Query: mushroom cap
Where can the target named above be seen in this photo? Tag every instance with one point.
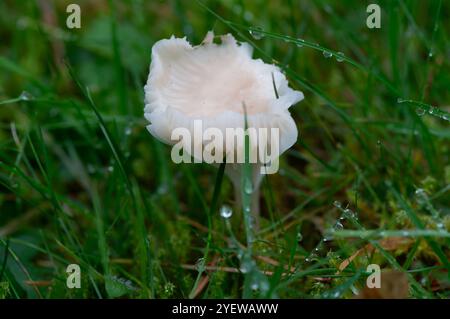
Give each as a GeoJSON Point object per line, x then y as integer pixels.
{"type": "Point", "coordinates": [211, 82]}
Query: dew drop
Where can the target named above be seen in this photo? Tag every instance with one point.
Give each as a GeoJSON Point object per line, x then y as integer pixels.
{"type": "Point", "coordinates": [327, 54]}
{"type": "Point", "coordinates": [421, 196]}
{"type": "Point", "coordinates": [311, 257]}
{"type": "Point", "coordinates": [247, 263]}
{"type": "Point", "coordinates": [433, 110]}
{"type": "Point", "coordinates": [256, 33]}
{"type": "Point", "coordinates": [110, 168]}
{"type": "Point", "coordinates": [226, 211]}
{"type": "Point", "coordinates": [248, 187]}
{"type": "Point", "coordinates": [300, 43]}
{"type": "Point", "coordinates": [340, 57]}
{"type": "Point", "coordinates": [424, 281]}
{"type": "Point", "coordinates": [244, 268]}
{"type": "Point", "coordinates": [327, 239]}
{"type": "Point", "coordinates": [338, 226]}
{"type": "Point", "coordinates": [299, 237]}
{"type": "Point", "coordinates": [420, 111]}
{"type": "Point", "coordinates": [348, 213]}
{"type": "Point", "coordinates": [337, 204]}
{"type": "Point", "coordinates": [25, 96]}
{"type": "Point", "coordinates": [240, 254]}
{"type": "Point", "coordinates": [128, 131]}
{"type": "Point", "coordinates": [400, 100]}
{"type": "Point", "coordinates": [420, 192]}
{"type": "Point", "coordinates": [200, 265]}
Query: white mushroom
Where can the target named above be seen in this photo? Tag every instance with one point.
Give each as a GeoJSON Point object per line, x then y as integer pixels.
{"type": "Point", "coordinates": [211, 83]}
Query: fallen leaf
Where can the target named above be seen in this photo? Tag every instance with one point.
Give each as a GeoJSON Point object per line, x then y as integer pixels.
{"type": "Point", "coordinates": [394, 285]}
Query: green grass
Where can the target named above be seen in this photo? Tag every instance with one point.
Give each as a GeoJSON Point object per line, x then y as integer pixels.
{"type": "Point", "coordinates": [82, 181]}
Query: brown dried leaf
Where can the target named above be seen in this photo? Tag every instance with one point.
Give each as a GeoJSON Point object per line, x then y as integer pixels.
{"type": "Point", "coordinates": [394, 285]}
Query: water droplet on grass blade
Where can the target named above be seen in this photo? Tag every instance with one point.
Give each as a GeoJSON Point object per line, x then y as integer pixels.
{"type": "Point", "coordinates": [421, 196]}
{"type": "Point", "coordinates": [348, 213]}
{"type": "Point", "coordinates": [244, 268]}
{"type": "Point", "coordinates": [311, 257]}
{"type": "Point", "coordinates": [433, 110]}
{"type": "Point", "coordinates": [327, 239]}
{"type": "Point", "coordinates": [420, 111]}
{"type": "Point", "coordinates": [240, 254]}
{"type": "Point", "coordinates": [299, 237]}
{"type": "Point", "coordinates": [200, 265]}
{"type": "Point", "coordinates": [256, 33]}
{"type": "Point", "coordinates": [248, 187]}
{"type": "Point", "coordinates": [340, 57]}
{"type": "Point", "coordinates": [420, 192]}
{"type": "Point", "coordinates": [338, 226]}
{"type": "Point", "coordinates": [337, 204]}
{"type": "Point", "coordinates": [26, 96]}
{"type": "Point", "coordinates": [327, 54]}
{"type": "Point", "coordinates": [247, 263]}
{"type": "Point", "coordinates": [226, 211]}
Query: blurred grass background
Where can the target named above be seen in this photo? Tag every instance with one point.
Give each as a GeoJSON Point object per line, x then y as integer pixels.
{"type": "Point", "coordinates": [83, 182]}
